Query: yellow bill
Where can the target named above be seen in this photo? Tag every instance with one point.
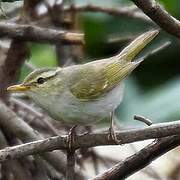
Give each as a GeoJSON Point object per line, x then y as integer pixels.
{"type": "Point", "coordinates": [18, 88]}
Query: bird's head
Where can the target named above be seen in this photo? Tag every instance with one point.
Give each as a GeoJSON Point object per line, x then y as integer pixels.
{"type": "Point", "coordinates": [40, 80]}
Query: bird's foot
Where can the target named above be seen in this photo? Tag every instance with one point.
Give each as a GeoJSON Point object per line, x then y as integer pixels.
{"type": "Point", "coordinates": [71, 138]}
{"type": "Point", "coordinates": [112, 136]}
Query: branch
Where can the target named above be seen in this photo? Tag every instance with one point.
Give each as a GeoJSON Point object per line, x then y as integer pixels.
{"type": "Point", "coordinates": [161, 17]}
{"type": "Point", "coordinates": [140, 159]}
{"type": "Point", "coordinates": [90, 140]}
{"type": "Point", "coordinates": [39, 34]}
{"type": "Point", "coordinates": [143, 119]}
{"type": "Point", "coordinates": [122, 11]}
{"type": "Point", "coordinates": [16, 55]}
{"type": "Point", "coordinates": [15, 125]}
{"type": "Point", "coordinates": [19, 171]}
{"type": "Point", "coordinates": [70, 165]}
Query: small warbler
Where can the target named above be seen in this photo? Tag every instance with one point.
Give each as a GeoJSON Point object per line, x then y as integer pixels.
{"type": "Point", "coordinates": [84, 94]}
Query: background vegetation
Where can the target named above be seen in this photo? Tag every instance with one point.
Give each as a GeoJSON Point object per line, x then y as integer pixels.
{"type": "Point", "coordinates": [152, 90]}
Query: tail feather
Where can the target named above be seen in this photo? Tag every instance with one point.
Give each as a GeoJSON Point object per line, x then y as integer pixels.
{"type": "Point", "coordinates": [134, 48]}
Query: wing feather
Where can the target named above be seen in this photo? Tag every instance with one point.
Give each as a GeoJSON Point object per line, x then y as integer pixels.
{"type": "Point", "coordinates": [99, 79]}
{"type": "Point", "coordinates": [95, 79]}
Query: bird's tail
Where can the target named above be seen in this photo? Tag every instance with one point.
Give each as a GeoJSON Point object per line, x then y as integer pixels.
{"type": "Point", "coordinates": [134, 48]}
{"type": "Point", "coordinates": [122, 64]}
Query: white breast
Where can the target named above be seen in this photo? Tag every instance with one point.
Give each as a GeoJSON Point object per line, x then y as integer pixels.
{"type": "Point", "coordinates": [73, 111]}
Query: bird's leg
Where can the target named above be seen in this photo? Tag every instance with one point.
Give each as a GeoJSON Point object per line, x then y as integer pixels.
{"type": "Point", "coordinates": [111, 134]}
{"type": "Point", "coordinates": [71, 137]}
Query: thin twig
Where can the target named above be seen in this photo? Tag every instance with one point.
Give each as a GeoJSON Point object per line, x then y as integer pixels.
{"type": "Point", "coordinates": [140, 159]}
{"type": "Point", "coordinates": [36, 113]}
{"type": "Point", "coordinates": [19, 171]}
{"type": "Point", "coordinates": [120, 12]}
{"type": "Point", "coordinates": [70, 168]}
{"type": "Point", "coordinates": [16, 55]}
{"type": "Point", "coordinates": [53, 129]}
{"type": "Point", "coordinates": [15, 125]}
{"type": "Point", "coordinates": [122, 39]}
{"type": "Point", "coordinates": [150, 171]}
{"type": "Point", "coordinates": [160, 47]}
{"type": "Point", "coordinates": [143, 119]}
{"type": "Point", "coordinates": [26, 106]}
{"type": "Point", "coordinates": [160, 16]}
{"type": "Point", "coordinates": [39, 34]}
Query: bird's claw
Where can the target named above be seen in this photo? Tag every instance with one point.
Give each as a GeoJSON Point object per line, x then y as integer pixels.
{"type": "Point", "coordinates": [112, 136]}
{"type": "Point", "coordinates": [71, 138]}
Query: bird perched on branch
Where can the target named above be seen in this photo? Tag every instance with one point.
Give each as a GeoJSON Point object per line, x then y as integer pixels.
{"type": "Point", "coordinates": [84, 94]}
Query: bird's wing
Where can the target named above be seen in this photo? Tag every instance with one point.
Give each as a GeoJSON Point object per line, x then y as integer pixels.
{"type": "Point", "coordinates": [95, 80]}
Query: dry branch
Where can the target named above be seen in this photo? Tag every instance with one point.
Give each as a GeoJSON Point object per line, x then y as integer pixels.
{"type": "Point", "coordinates": [140, 159]}
{"type": "Point", "coordinates": [16, 55]}
{"type": "Point", "coordinates": [10, 122]}
{"type": "Point", "coordinates": [143, 119]}
{"type": "Point", "coordinates": [19, 171]}
{"type": "Point", "coordinates": [39, 34]}
{"type": "Point", "coordinates": [160, 16]}
{"type": "Point", "coordinates": [15, 125]}
{"type": "Point", "coordinates": [70, 165]}
{"type": "Point", "coordinates": [120, 12]}
{"type": "Point", "coordinates": [90, 140]}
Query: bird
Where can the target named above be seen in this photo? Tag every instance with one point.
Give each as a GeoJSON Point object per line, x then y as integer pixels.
{"type": "Point", "coordinates": [84, 94]}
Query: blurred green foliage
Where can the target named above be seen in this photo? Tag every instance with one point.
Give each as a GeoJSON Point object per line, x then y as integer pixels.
{"type": "Point", "coordinates": [172, 6]}
{"type": "Point", "coordinates": [42, 55]}
{"type": "Point", "coordinates": [153, 89]}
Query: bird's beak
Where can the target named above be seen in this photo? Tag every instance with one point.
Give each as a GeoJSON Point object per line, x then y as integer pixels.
{"type": "Point", "coordinates": [18, 88]}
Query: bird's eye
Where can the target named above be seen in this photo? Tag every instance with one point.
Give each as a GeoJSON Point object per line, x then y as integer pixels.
{"type": "Point", "coordinates": [40, 80]}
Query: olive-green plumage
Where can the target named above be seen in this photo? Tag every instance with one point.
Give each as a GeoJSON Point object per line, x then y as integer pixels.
{"type": "Point", "coordinates": [94, 80]}
{"type": "Point", "coordinates": [83, 94]}
{"type": "Point", "coordinates": [99, 77]}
